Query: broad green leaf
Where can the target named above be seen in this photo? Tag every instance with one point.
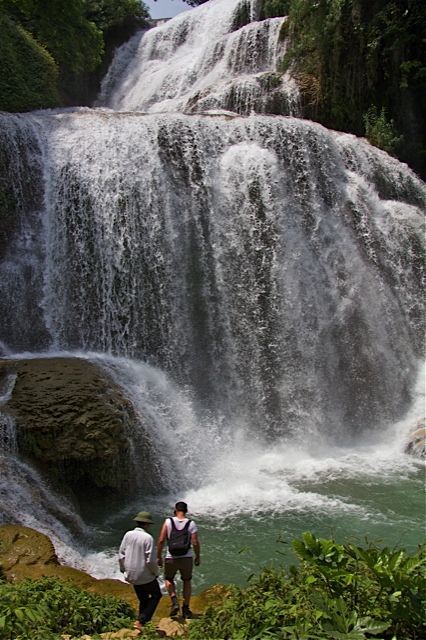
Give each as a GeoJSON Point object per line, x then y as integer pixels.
{"type": "Point", "coordinates": [412, 563]}
{"type": "Point", "coordinates": [327, 546]}
{"type": "Point", "coordinates": [396, 559]}
{"type": "Point", "coordinates": [301, 550]}
{"type": "Point", "coordinates": [19, 614]}
{"type": "Point", "coordinates": [368, 625]}
{"type": "Point", "coordinates": [312, 543]}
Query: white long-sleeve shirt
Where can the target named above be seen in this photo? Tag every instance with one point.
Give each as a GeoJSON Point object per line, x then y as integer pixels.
{"type": "Point", "coordinates": [137, 557]}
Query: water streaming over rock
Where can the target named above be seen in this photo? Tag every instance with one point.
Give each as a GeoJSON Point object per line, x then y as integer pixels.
{"type": "Point", "coordinates": [267, 269]}
{"type": "Point", "coordinates": [218, 57]}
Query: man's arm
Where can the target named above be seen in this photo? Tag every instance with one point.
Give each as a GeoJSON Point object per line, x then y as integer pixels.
{"type": "Point", "coordinates": [121, 554]}
{"type": "Point", "coordinates": [160, 544]}
{"type": "Point", "coordinates": [150, 557]}
{"type": "Point", "coordinates": [196, 547]}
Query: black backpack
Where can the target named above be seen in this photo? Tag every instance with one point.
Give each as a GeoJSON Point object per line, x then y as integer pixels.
{"type": "Point", "coordinates": [179, 542]}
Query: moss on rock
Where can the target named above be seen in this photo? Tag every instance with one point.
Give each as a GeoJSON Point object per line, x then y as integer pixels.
{"type": "Point", "coordinates": [27, 553]}
{"type": "Point", "coordinates": [74, 420]}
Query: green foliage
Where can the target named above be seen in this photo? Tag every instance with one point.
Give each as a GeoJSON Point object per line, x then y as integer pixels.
{"type": "Point", "coordinates": [346, 592]}
{"type": "Point", "coordinates": [380, 131]}
{"type": "Point", "coordinates": [62, 29]}
{"type": "Point", "coordinates": [275, 8]}
{"type": "Point", "coordinates": [349, 54]}
{"type": "Point", "coordinates": [28, 73]}
{"type": "Point", "coordinates": [114, 13]}
{"type": "Point", "coordinates": [46, 608]}
{"type": "Point", "coordinates": [52, 35]}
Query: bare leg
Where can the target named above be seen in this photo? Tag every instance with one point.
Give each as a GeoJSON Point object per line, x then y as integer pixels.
{"type": "Point", "coordinates": [171, 588]}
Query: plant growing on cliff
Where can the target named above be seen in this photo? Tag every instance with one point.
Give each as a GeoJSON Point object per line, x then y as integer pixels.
{"type": "Point", "coordinates": [349, 54]}
{"type": "Point", "coordinates": [380, 131]}
{"type": "Point", "coordinates": [44, 609]}
{"type": "Point", "coordinates": [48, 44]}
{"type": "Point", "coordinates": [338, 591]}
{"type": "Point", "coordinates": [28, 74]}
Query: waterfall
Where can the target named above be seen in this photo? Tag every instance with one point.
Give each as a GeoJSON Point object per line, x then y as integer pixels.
{"type": "Point", "coordinates": [219, 57]}
{"type": "Point", "coordinates": [252, 276]}
{"type": "Point", "coordinates": [8, 445]}
{"type": "Point", "coordinates": [268, 263]}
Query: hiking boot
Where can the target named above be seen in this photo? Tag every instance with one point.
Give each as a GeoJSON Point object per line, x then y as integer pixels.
{"type": "Point", "coordinates": [174, 611]}
{"type": "Point", "coordinates": [186, 611]}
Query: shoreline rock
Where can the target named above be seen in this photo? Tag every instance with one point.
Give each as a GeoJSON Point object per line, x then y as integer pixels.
{"type": "Point", "coordinates": [416, 442]}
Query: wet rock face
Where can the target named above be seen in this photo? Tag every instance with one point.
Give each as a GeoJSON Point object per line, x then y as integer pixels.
{"type": "Point", "coordinates": [416, 443]}
{"type": "Point", "coordinates": [25, 546]}
{"type": "Point", "coordinates": [74, 420]}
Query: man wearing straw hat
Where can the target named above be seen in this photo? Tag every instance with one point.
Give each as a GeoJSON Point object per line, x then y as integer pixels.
{"type": "Point", "coordinates": [137, 560]}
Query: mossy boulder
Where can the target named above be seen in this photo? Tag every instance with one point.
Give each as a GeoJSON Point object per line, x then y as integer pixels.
{"type": "Point", "coordinates": [75, 421]}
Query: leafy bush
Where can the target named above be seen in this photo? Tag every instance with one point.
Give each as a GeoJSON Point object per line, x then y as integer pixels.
{"type": "Point", "coordinates": [44, 609]}
{"type": "Point", "coordinates": [113, 13]}
{"type": "Point", "coordinates": [348, 54]}
{"type": "Point", "coordinates": [28, 73]}
{"type": "Point", "coordinates": [338, 591]}
{"type": "Point", "coordinates": [74, 42]}
{"type": "Point", "coordinates": [380, 131]}
{"type": "Point", "coordinates": [275, 8]}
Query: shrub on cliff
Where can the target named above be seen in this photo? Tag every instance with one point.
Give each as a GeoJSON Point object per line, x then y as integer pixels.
{"type": "Point", "coordinates": [351, 54]}
{"type": "Point", "coordinates": [338, 591]}
{"type": "Point", "coordinates": [44, 609]}
{"type": "Point", "coordinates": [28, 73]}
{"type": "Point", "coordinates": [47, 46]}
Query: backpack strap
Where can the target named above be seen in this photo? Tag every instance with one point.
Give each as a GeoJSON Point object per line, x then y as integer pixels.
{"type": "Point", "coordinates": [186, 527]}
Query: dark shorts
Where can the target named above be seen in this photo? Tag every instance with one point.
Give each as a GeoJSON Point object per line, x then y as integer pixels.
{"type": "Point", "coordinates": [173, 565]}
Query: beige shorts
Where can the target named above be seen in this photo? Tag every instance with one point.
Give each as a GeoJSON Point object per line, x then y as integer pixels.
{"type": "Point", "coordinates": [173, 565]}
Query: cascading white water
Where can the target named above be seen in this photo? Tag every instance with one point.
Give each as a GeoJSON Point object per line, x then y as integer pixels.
{"type": "Point", "coordinates": [253, 281]}
{"type": "Point", "coordinates": [250, 258]}
{"type": "Point", "coordinates": [8, 445]}
{"type": "Point", "coordinates": [218, 57]}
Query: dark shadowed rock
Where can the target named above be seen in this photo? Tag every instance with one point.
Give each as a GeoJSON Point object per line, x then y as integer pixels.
{"type": "Point", "coordinates": [75, 421]}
